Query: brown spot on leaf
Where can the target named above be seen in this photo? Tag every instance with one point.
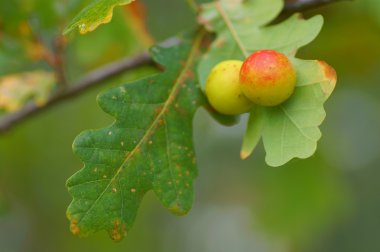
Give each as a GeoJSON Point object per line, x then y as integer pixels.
{"type": "Point", "coordinates": [161, 122]}
{"type": "Point", "coordinates": [177, 209]}
{"type": "Point", "coordinates": [244, 154]}
{"type": "Point", "coordinates": [118, 231]}
{"type": "Point", "coordinates": [189, 74]}
{"type": "Point", "coordinates": [182, 63]}
{"type": "Point", "coordinates": [220, 43]}
{"type": "Point", "coordinates": [330, 72]}
{"type": "Point", "coordinates": [331, 76]}
{"type": "Point", "coordinates": [158, 110]}
{"type": "Point", "coordinates": [74, 227]}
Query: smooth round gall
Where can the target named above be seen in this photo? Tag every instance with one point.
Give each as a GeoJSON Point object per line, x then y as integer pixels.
{"type": "Point", "coordinates": [223, 89]}
{"type": "Point", "coordinates": [267, 78]}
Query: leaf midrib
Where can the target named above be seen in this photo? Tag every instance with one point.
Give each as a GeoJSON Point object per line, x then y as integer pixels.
{"type": "Point", "coordinates": [231, 28]}
{"type": "Point", "coordinates": [168, 102]}
{"type": "Point", "coordinates": [295, 124]}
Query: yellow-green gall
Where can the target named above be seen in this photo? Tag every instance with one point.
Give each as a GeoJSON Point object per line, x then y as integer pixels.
{"type": "Point", "coordinates": [223, 89]}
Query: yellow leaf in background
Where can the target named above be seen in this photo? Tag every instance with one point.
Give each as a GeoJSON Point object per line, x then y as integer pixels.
{"type": "Point", "coordinates": [18, 89]}
{"type": "Point", "coordinates": [97, 13]}
{"type": "Point", "coordinates": [136, 16]}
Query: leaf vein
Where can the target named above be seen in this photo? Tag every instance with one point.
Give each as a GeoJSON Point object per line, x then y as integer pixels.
{"type": "Point", "coordinates": [299, 128]}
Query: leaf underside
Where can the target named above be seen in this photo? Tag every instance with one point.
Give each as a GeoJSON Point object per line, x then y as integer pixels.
{"type": "Point", "coordinates": [291, 129]}
{"type": "Point", "coordinates": [148, 147]}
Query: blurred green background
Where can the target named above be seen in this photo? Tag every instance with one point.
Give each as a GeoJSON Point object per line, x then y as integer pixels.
{"type": "Point", "coordinates": [330, 202]}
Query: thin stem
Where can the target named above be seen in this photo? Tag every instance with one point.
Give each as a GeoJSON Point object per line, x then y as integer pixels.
{"type": "Point", "coordinates": [89, 81]}
{"type": "Point", "coordinates": [292, 6]}
{"type": "Point", "coordinates": [58, 48]}
{"type": "Point", "coordinates": [54, 56]}
{"type": "Point", "coordinates": [230, 26]}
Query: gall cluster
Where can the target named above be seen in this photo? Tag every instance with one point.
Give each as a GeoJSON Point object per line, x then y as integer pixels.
{"type": "Point", "coordinates": [265, 78]}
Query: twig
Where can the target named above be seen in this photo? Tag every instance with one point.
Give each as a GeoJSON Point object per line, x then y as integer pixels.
{"type": "Point", "coordinates": [292, 6]}
{"type": "Point", "coordinates": [58, 49]}
{"type": "Point", "coordinates": [53, 54]}
{"type": "Point", "coordinates": [90, 80]}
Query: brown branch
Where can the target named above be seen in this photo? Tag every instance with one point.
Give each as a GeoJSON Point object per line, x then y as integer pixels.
{"type": "Point", "coordinates": [92, 79]}
{"type": "Point", "coordinates": [109, 71]}
{"type": "Point", "coordinates": [58, 48]}
{"type": "Point", "coordinates": [292, 6]}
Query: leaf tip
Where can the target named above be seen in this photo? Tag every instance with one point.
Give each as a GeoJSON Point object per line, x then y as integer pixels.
{"type": "Point", "coordinates": [75, 230]}
{"type": "Point", "coordinates": [319, 20]}
{"type": "Point", "coordinates": [244, 154]}
{"type": "Point", "coordinates": [330, 73]}
{"type": "Point", "coordinates": [177, 209]}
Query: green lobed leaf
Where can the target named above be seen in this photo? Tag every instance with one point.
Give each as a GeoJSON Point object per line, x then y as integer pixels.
{"type": "Point", "coordinates": [148, 147]}
{"type": "Point", "coordinates": [97, 13]}
{"type": "Point", "coordinates": [291, 129]}
{"type": "Point", "coordinates": [253, 133]}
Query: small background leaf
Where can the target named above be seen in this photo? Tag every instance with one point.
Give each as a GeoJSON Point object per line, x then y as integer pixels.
{"type": "Point", "coordinates": [17, 89]}
{"type": "Point", "coordinates": [292, 127]}
{"type": "Point", "coordinates": [97, 13]}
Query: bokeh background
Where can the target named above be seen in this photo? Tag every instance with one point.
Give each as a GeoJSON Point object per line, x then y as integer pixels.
{"type": "Point", "coordinates": [329, 202]}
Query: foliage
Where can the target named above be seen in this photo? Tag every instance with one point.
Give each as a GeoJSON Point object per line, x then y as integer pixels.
{"type": "Point", "coordinates": [290, 129]}
{"type": "Point", "coordinates": [149, 146]}
{"type": "Point", "coordinates": [97, 13]}
{"type": "Point", "coordinates": [239, 205]}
